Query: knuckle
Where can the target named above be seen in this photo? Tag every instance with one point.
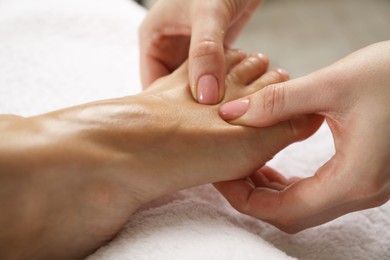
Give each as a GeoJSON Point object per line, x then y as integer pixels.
{"type": "Point", "coordinates": [206, 47]}
{"type": "Point", "coordinates": [274, 99]}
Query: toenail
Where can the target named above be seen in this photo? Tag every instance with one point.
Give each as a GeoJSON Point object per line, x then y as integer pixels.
{"type": "Point", "coordinates": [254, 59]}
{"type": "Point", "coordinates": [243, 53]}
{"type": "Point", "coordinates": [283, 72]}
{"type": "Point", "coordinates": [262, 57]}
{"type": "Point", "coordinates": [239, 51]}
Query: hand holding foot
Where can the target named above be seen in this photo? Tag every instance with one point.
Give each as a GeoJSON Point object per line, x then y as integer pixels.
{"type": "Point", "coordinates": [353, 95]}
{"type": "Point", "coordinates": [72, 178]}
{"type": "Point", "coordinates": [199, 30]}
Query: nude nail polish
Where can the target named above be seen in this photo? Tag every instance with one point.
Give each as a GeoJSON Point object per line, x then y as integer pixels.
{"type": "Point", "coordinates": [208, 90]}
{"type": "Point", "coordinates": [234, 109]}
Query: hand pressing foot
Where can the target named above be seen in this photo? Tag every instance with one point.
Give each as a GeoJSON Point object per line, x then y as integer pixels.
{"type": "Point", "coordinates": [353, 95]}
{"type": "Point", "coordinates": [72, 178]}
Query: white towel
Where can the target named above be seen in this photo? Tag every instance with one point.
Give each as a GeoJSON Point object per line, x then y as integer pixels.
{"type": "Point", "coordinates": [57, 53]}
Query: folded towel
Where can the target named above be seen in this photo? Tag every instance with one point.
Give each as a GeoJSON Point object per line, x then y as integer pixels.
{"type": "Point", "coordinates": [57, 53]}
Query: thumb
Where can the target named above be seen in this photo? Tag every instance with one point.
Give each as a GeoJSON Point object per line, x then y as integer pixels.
{"type": "Point", "coordinates": [210, 21]}
{"type": "Point", "coordinates": [305, 203]}
{"type": "Point", "coordinates": [315, 93]}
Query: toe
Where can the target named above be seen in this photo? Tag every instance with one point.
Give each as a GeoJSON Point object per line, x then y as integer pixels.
{"type": "Point", "coordinates": [271, 77]}
{"type": "Point", "coordinates": [248, 70]}
{"type": "Point", "coordinates": [232, 58]}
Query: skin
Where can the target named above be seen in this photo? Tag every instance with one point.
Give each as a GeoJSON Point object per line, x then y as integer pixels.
{"type": "Point", "coordinates": [353, 95]}
{"type": "Point", "coordinates": [199, 30]}
{"type": "Point", "coordinates": [71, 179]}
{"type": "Point", "coordinates": [337, 95]}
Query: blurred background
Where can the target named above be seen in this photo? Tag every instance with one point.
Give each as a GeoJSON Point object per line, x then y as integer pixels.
{"type": "Point", "coordinates": [304, 35]}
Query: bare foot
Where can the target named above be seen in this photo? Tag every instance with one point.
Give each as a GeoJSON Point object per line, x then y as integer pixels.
{"type": "Point", "coordinates": [81, 172]}
{"type": "Point", "coordinates": [202, 147]}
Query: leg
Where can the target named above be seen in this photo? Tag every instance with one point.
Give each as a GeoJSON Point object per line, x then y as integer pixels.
{"type": "Point", "coordinates": [86, 169]}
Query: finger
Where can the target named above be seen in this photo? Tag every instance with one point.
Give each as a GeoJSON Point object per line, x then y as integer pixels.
{"type": "Point", "coordinates": [260, 180]}
{"type": "Point", "coordinates": [155, 70]}
{"type": "Point", "coordinates": [150, 67]}
{"type": "Point", "coordinates": [163, 41]}
{"type": "Point", "coordinates": [274, 176]}
{"type": "Point", "coordinates": [306, 203]}
{"type": "Point", "coordinates": [272, 140]}
{"type": "Point", "coordinates": [163, 55]}
{"type": "Point", "coordinates": [210, 21]}
{"type": "Point", "coordinates": [315, 93]}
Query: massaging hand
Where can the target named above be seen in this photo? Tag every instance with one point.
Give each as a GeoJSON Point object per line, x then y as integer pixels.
{"type": "Point", "coordinates": [354, 96]}
{"type": "Point", "coordinates": [201, 27]}
{"type": "Point", "coordinates": [71, 179]}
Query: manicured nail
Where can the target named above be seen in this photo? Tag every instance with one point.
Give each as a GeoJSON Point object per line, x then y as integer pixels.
{"type": "Point", "coordinates": [208, 90]}
{"type": "Point", "coordinates": [234, 109]}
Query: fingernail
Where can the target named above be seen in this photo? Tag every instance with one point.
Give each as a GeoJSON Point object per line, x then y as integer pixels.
{"type": "Point", "coordinates": [234, 109]}
{"type": "Point", "coordinates": [208, 90]}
